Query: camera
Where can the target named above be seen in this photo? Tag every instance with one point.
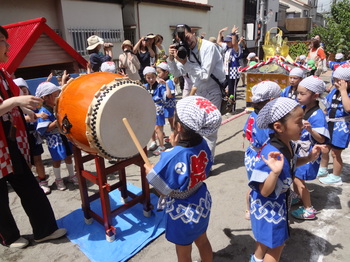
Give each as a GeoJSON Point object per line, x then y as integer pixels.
{"type": "Point", "coordinates": [145, 38]}
{"type": "Point", "coordinates": [181, 46]}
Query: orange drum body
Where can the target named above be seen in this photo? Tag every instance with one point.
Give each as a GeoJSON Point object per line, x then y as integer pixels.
{"type": "Point", "coordinates": [90, 110]}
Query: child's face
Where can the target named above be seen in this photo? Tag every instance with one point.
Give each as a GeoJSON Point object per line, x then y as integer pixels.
{"type": "Point", "coordinates": [305, 96]}
{"type": "Point", "coordinates": [25, 90]}
{"type": "Point", "coordinates": [151, 78]}
{"type": "Point", "coordinates": [294, 80]}
{"type": "Point", "coordinates": [162, 74]}
{"type": "Point", "coordinates": [50, 99]}
{"type": "Point", "coordinates": [291, 129]}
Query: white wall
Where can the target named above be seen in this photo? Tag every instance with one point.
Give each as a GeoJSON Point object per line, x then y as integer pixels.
{"type": "Point", "coordinates": [22, 10]}
{"type": "Point", "coordinates": [157, 19]}
{"type": "Point", "coordinates": [87, 14]}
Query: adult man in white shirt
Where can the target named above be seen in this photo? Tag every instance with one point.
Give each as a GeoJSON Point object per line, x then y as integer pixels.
{"type": "Point", "coordinates": [203, 64]}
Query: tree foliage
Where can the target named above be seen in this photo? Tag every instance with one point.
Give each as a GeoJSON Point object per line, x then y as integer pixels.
{"type": "Point", "coordinates": [336, 34]}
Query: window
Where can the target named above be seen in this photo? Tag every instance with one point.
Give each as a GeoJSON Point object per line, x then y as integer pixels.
{"type": "Point", "coordinates": [80, 35]}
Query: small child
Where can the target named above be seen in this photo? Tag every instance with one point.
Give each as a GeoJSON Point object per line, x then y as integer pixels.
{"type": "Point", "coordinates": [315, 132]}
{"type": "Point", "coordinates": [338, 110]}
{"type": "Point", "coordinates": [180, 173]}
{"type": "Point", "coordinates": [334, 65]}
{"type": "Point", "coordinates": [58, 144]}
{"type": "Point", "coordinates": [36, 148]}
{"type": "Point", "coordinates": [108, 66]}
{"type": "Point", "coordinates": [160, 92]}
{"type": "Point", "coordinates": [301, 60]}
{"type": "Point", "coordinates": [272, 177]}
{"type": "Point", "coordinates": [170, 104]}
{"type": "Point", "coordinates": [295, 76]}
{"type": "Point", "coordinates": [262, 93]}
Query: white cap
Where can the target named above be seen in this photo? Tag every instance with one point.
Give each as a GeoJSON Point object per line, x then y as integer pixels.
{"type": "Point", "coordinates": [339, 56]}
{"type": "Point", "coordinates": [108, 66]}
{"type": "Point", "coordinates": [149, 69]}
{"type": "Point", "coordinates": [297, 72]}
{"type": "Point", "coordinates": [251, 55]}
{"type": "Point", "coordinates": [163, 66]}
{"type": "Point", "coordinates": [265, 90]}
{"type": "Point", "coordinates": [45, 89]}
{"type": "Point", "coordinates": [274, 111]}
{"type": "Point", "coordinates": [199, 114]}
{"type": "Point", "coordinates": [20, 82]}
{"type": "Point", "coordinates": [342, 72]}
{"type": "Point", "coordinates": [314, 84]}
{"type": "Point", "coordinates": [302, 57]}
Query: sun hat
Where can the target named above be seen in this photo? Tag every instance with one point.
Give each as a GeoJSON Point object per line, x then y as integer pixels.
{"type": "Point", "coordinates": [297, 72]}
{"type": "Point", "coordinates": [126, 42]}
{"type": "Point", "coordinates": [199, 114]}
{"type": "Point", "coordinates": [20, 82]}
{"type": "Point", "coordinates": [314, 84]}
{"type": "Point", "coordinates": [274, 111]}
{"type": "Point", "coordinates": [265, 90]}
{"type": "Point", "coordinates": [212, 39]}
{"type": "Point", "coordinates": [339, 56]}
{"type": "Point", "coordinates": [164, 66]}
{"type": "Point", "coordinates": [342, 72]}
{"type": "Point", "coordinates": [94, 41]}
{"type": "Point", "coordinates": [149, 69]}
{"type": "Point", "coordinates": [108, 66]}
{"type": "Point", "coordinates": [151, 35]}
{"type": "Point", "coordinates": [46, 88]}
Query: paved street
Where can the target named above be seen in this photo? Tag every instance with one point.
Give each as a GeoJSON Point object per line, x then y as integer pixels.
{"type": "Point", "coordinates": [325, 239]}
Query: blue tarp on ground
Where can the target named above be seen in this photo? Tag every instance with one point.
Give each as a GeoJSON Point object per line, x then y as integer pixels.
{"type": "Point", "coordinates": [134, 230]}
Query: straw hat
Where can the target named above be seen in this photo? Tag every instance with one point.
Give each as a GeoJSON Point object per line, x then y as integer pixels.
{"type": "Point", "coordinates": [126, 42]}
{"type": "Point", "coordinates": [94, 41]}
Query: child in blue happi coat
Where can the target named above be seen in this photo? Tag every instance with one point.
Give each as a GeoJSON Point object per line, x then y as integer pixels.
{"type": "Point", "coordinates": [295, 76]}
{"type": "Point", "coordinates": [338, 117]}
{"type": "Point", "coordinates": [59, 146]}
{"type": "Point", "coordinates": [180, 173]}
{"type": "Point", "coordinates": [272, 176]}
{"type": "Point", "coordinates": [160, 93]}
{"type": "Point", "coordinates": [262, 93]}
{"type": "Point", "coordinates": [315, 131]}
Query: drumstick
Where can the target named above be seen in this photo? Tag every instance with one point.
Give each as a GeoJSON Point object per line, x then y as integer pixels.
{"type": "Point", "coordinates": [136, 142]}
{"type": "Point", "coordinates": [193, 91]}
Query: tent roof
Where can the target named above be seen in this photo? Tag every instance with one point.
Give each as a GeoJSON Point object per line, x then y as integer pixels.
{"type": "Point", "coordinates": [23, 36]}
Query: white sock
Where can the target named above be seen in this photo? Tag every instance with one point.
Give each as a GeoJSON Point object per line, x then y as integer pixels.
{"type": "Point", "coordinates": [257, 259]}
{"type": "Point", "coordinates": [323, 168]}
{"type": "Point", "coordinates": [57, 172]}
{"type": "Point", "coordinates": [70, 169]}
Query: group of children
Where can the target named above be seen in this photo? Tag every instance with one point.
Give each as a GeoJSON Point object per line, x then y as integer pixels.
{"type": "Point", "coordinates": [287, 135]}
{"type": "Point", "coordinates": [45, 128]}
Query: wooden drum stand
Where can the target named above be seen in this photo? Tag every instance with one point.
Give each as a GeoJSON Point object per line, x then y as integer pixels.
{"type": "Point", "coordinates": [100, 179]}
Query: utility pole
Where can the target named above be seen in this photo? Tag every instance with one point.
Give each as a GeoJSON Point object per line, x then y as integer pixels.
{"type": "Point", "coordinates": [261, 22]}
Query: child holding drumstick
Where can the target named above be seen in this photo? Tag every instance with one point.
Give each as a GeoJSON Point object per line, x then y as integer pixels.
{"type": "Point", "coordinates": [180, 173]}
{"type": "Point", "coordinates": [272, 177]}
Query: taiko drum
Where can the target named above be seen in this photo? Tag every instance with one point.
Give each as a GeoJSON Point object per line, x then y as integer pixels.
{"type": "Point", "coordinates": [90, 110]}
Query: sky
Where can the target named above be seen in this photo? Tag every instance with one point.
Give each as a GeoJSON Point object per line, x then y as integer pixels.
{"type": "Point", "coordinates": [324, 5]}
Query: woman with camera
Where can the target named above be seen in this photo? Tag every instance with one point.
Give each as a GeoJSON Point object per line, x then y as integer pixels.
{"type": "Point", "coordinates": [145, 50]}
{"type": "Point", "coordinates": [128, 62]}
{"type": "Point", "coordinates": [96, 59]}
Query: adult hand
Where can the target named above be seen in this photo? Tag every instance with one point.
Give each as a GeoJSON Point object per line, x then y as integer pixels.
{"type": "Point", "coordinates": [234, 29]}
{"type": "Point", "coordinates": [223, 29]}
{"type": "Point", "coordinates": [29, 102]}
{"type": "Point", "coordinates": [172, 52]}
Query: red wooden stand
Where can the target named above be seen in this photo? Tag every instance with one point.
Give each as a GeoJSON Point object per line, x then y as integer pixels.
{"type": "Point", "coordinates": [104, 188]}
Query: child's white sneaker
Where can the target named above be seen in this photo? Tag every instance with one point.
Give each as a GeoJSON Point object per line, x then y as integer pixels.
{"type": "Point", "coordinates": [74, 180]}
{"type": "Point", "coordinates": [60, 184]}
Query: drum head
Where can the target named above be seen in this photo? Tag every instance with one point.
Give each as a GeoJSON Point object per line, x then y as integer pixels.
{"type": "Point", "coordinates": [105, 128]}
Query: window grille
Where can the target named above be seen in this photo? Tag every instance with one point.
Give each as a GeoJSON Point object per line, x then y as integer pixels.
{"type": "Point", "coordinates": [80, 35]}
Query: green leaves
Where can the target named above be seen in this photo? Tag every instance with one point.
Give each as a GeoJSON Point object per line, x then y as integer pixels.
{"type": "Point", "coordinates": [336, 34]}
